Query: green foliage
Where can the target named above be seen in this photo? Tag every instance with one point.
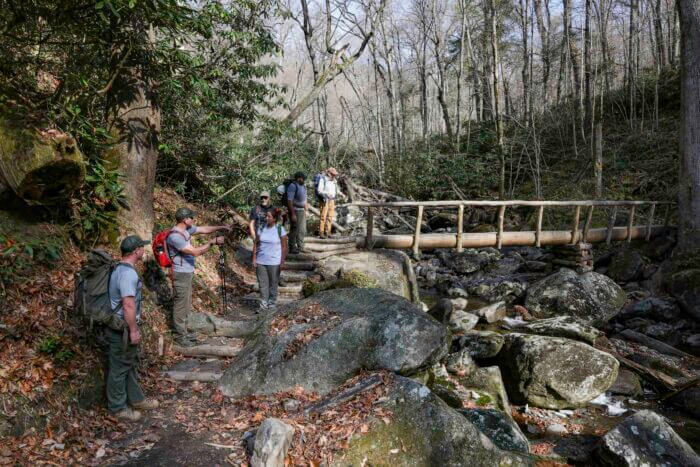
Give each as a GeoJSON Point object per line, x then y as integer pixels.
{"type": "Point", "coordinates": [95, 215]}
{"type": "Point", "coordinates": [483, 400]}
{"type": "Point", "coordinates": [254, 161]}
{"type": "Point", "coordinates": [77, 67]}
{"type": "Point", "coordinates": [55, 347]}
{"type": "Point", "coordinates": [18, 255]}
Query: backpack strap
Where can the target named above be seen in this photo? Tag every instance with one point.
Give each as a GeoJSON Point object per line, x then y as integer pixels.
{"type": "Point", "coordinates": [172, 231]}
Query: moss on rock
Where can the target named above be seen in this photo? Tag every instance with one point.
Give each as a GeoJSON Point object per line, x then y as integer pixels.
{"type": "Point", "coordinates": [348, 280]}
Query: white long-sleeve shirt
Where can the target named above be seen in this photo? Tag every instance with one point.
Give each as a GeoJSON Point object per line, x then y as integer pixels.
{"type": "Point", "coordinates": [329, 188]}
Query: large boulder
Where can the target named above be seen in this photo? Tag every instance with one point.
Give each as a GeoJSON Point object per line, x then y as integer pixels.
{"type": "Point", "coordinates": [644, 439]}
{"type": "Point", "coordinates": [481, 344]}
{"type": "Point", "coordinates": [626, 265]}
{"type": "Point", "coordinates": [470, 260]}
{"type": "Point", "coordinates": [685, 286]}
{"type": "Point", "coordinates": [553, 372]}
{"type": "Point", "coordinates": [320, 342]}
{"type": "Point", "coordinates": [496, 289]}
{"type": "Point", "coordinates": [423, 431]}
{"type": "Point", "coordinates": [661, 309]}
{"type": "Point", "coordinates": [387, 267]}
{"type": "Point", "coordinates": [563, 326]}
{"type": "Point", "coordinates": [591, 297]}
{"type": "Point", "coordinates": [500, 429]}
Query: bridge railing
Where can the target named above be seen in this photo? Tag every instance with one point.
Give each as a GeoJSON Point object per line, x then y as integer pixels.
{"type": "Point", "coordinates": [574, 236]}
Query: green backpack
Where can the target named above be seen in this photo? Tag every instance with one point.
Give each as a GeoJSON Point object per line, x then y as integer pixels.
{"type": "Point", "coordinates": [91, 298]}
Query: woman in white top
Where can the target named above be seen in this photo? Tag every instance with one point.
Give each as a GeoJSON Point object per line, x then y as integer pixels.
{"type": "Point", "coordinates": [269, 253]}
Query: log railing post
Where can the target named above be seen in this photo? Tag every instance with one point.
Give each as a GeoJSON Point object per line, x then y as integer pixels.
{"type": "Point", "coordinates": [370, 229]}
{"type": "Point", "coordinates": [416, 237]}
{"type": "Point", "coordinates": [630, 223]}
{"type": "Point", "coordinates": [650, 221]}
{"type": "Point", "coordinates": [589, 221]}
{"type": "Point", "coordinates": [501, 217]}
{"type": "Point", "coordinates": [538, 228]}
{"type": "Point", "coordinates": [460, 227]}
{"type": "Point", "coordinates": [574, 227]}
{"type": "Point", "coordinates": [611, 225]}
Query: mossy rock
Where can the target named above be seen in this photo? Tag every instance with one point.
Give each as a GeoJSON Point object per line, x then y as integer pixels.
{"type": "Point", "coordinates": [348, 280]}
{"type": "Point", "coordinates": [483, 228]}
{"type": "Point", "coordinates": [40, 167]}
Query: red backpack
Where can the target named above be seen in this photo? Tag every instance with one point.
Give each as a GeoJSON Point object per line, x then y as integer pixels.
{"type": "Point", "coordinates": [160, 247]}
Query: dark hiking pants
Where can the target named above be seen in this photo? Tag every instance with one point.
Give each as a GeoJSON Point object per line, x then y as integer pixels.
{"type": "Point", "coordinates": [122, 379]}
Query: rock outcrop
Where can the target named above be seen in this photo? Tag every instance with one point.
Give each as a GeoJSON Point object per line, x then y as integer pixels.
{"type": "Point", "coordinates": [645, 439]}
{"type": "Point", "coordinates": [423, 430]}
{"type": "Point", "coordinates": [320, 342]}
{"type": "Point", "coordinates": [554, 373]}
{"type": "Point", "coordinates": [272, 440]}
{"type": "Point", "coordinates": [563, 326]}
{"type": "Point", "coordinates": [591, 297]}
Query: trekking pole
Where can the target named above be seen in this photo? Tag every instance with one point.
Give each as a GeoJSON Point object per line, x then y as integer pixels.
{"type": "Point", "coordinates": [222, 269]}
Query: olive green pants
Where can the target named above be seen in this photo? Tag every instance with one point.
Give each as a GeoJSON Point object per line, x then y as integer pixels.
{"type": "Point", "coordinates": [182, 301]}
{"type": "Point", "coordinates": [122, 379]}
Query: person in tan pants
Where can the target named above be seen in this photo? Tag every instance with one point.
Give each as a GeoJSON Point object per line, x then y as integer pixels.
{"type": "Point", "coordinates": [328, 191]}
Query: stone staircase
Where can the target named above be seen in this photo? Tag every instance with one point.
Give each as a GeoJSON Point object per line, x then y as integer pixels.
{"type": "Point", "coordinates": [299, 267]}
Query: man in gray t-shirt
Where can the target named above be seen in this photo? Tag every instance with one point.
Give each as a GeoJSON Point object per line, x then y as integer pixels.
{"type": "Point", "coordinates": [183, 255]}
{"type": "Point", "coordinates": [122, 347]}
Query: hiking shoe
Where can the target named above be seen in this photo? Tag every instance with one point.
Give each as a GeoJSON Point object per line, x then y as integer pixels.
{"type": "Point", "coordinates": [128, 414]}
{"type": "Point", "coordinates": [146, 404]}
{"type": "Point", "coordinates": [263, 305]}
{"type": "Point", "coordinates": [294, 251]}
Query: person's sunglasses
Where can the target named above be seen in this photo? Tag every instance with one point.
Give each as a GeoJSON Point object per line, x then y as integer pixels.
{"type": "Point", "coordinates": [264, 197]}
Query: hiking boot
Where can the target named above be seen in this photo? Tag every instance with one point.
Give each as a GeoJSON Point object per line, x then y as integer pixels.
{"type": "Point", "coordinates": [263, 305]}
{"type": "Point", "coordinates": [128, 414]}
{"type": "Point", "coordinates": [322, 236]}
{"type": "Point", "coordinates": [294, 251]}
{"type": "Point", "coordinates": [146, 404]}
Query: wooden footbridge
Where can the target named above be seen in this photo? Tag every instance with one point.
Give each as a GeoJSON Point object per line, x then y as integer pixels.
{"type": "Point", "coordinates": [578, 233]}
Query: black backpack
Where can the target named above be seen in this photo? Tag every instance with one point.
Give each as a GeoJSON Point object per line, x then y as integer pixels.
{"type": "Point", "coordinates": [283, 195]}
{"type": "Point", "coordinates": [91, 297]}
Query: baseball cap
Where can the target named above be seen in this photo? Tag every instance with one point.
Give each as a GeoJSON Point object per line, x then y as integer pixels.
{"type": "Point", "coordinates": [183, 213]}
{"type": "Point", "coordinates": [131, 243]}
{"type": "Point", "coordinates": [265, 194]}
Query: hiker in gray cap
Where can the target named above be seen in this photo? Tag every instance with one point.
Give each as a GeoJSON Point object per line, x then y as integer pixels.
{"type": "Point", "coordinates": [183, 256]}
{"type": "Point", "coordinates": [122, 353]}
{"type": "Point", "coordinates": [258, 214]}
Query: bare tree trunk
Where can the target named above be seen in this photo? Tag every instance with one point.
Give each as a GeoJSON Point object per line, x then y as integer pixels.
{"type": "Point", "coordinates": [659, 34]}
{"type": "Point", "coordinates": [136, 121]}
{"type": "Point", "coordinates": [441, 82]}
{"type": "Point", "coordinates": [476, 82]}
{"type": "Point", "coordinates": [631, 56]}
{"type": "Point", "coordinates": [573, 52]}
{"type": "Point", "coordinates": [497, 114]}
{"type": "Point", "coordinates": [424, 84]}
{"type": "Point", "coordinates": [524, 23]}
{"type": "Point", "coordinates": [545, 51]}
{"type": "Point", "coordinates": [689, 174]}
{"type": "Point", "coordinates": [598, 162]}
{"type": "Point", "coordinates": [460, 69]}
{"type": "Point", "coordinates": [587, 64]}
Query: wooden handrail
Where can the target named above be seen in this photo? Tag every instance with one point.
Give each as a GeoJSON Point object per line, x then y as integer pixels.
{"type": "Point", "coordinates": [497, 203]}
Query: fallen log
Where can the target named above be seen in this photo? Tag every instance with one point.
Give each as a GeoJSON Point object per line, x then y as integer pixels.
{"type": "Point", "coordinates": [330, 240]}
{"type": "Point", "coordinates": [346, 395]}
{"type": "Point", "coordinates": [202, 376]}
{"type": "Point", "coordinates": [657, 378]}
{"type": "Point", "coordinates": [318, 256]}
{"type": "Point", "coordinates": [321, 248]}
{"type": "Point", "coordinates": [207, 350]}
{"type": "Point", "coordinates": [39, 166]}
{"type": "Point", "coordinates": [653, 343]}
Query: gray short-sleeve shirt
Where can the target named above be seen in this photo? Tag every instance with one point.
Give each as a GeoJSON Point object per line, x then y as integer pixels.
{"type": "Point", "coordinates": [125, 282]}
{"type": "Point", "coordinates": [176, 242]}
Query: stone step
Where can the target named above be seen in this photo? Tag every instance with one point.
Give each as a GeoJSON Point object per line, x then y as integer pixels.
{"type": "Point", "coordinates": [282, 290]}
{"type": "Point", "coordinates": [315, 256]}
{"type": "Point", "coordinates": [295, 276]}
{"type": "Point", "coordinates": [254, 299]}
{"type": "Point", "coordinates": [299, 265]}
{"type": "Point", "coordinates": [323, 248]}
